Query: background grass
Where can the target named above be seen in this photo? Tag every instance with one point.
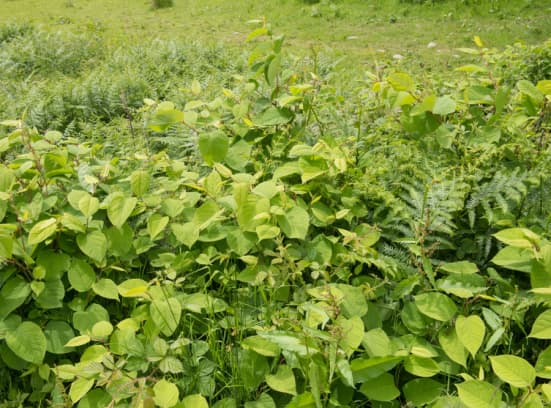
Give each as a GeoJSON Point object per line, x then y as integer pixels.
{"type": "Point", "coordinates": [357, 28]}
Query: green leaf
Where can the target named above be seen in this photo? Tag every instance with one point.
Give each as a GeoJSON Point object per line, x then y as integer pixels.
{"type": "Point", "coordinates": [79, 388]}
{"type": "Point", "coordinates": [28, 342]}
{"type": "Point", "coordinates": [295, 223]}
{"type": "Point", "coordinates": [120, 208]}
{"type": "Point", "coordinates": [164, 117]}
{"type": "Point", "coordinates": [93, 244]}
{"type": "Point", "coordinates": [381, 388]}
{"type": "Point", "coordinates": [165, 394]}
{"type": "Point", "coordinates": [421, 391]}
{"type": "Point", "coordinates": [517, 259]}
{"type": "Point", "coordinates": [155, 225]}
{"type": "Point", "coordinates": [13, 294]}
{"type": "Point", "coordinates": [352, 333]}
{"type": "Point", "coordinates": [453, 347]}
{"type": "Point", "coordinates": [462, 285]}
{"type": "Point", "coordinates": [437, 306]}
{"type": "Point", "coordinates": [261, 346]}
{"type": "Point", "coordinates": [95, 398]}
{"type": "Point", "coordinates": [106, 288]}
{"type": "Point", "coordinates": [187, 233]}
{"type": "Point", "coordinates": [479, 394]}
{"type": "Point", "coordinates": [139, 182]}
{"type": "Point", "coordinates": [42, 230]}
{"type": "Point", "coordinates": [213, 146]}
{"type": "Point", "coordinates": [514, 370]}
{"type": "Point", "coordinates": [166, 315]}
{"type": "Point", "coordinates": [57, 334]}
{"type": "Point", "coordinates": [518, 237]}
{"type": "Point", "coordinates": [364, 369]}
{"type": "Point", "coordinates": [78, 341]}
{"type": "Point", "coordinates": [133, 288]}
{"type": "Point", "coordinates": [206, 214]}
{"type": "Point", "coordinates": [88, 205]}
{"type": "Point", "coordinates": [401, 81]}
{"type": "Point", "coordinates": [541, 329]}
{"type": "Point", "coordinates": [444, 105]}
{"type": "Point", "coordinates": [81, 275]}
{"type": "Point", "coordinates": [462, 267]}
{"type": "Point", "coordinates": [266, 231]}
{"type": "Point", "coordinates": [470, 331]}
{"type": "Point", "coordinates": [543, 364]}
{"type": "Point", "coordinates": [273, 117]}
{"type": "Point", "coordinates": [194, 401]}
{"type": "Point", "coordinates": [283, 381]}
{"type": "Point", "coordinates": [421, 367]}
{"type": "Point", "coordinates": [253, 368]}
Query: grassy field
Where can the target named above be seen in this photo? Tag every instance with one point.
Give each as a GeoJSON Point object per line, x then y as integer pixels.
{"type": "Point", "coordinates": [358, 28]}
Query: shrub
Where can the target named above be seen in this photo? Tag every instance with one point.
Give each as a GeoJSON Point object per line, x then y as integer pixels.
{"type": "Point", "coordinates": [157, 4]}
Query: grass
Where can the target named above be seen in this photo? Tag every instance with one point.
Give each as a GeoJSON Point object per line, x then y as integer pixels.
{"type": "Point", "coordinates": [355, 28]}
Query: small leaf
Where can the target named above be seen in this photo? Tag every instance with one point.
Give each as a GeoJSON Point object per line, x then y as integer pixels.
{"type": "Point", "coordinates": [470, 331]}
{"type": "Point", "coordinates": [513, 370]}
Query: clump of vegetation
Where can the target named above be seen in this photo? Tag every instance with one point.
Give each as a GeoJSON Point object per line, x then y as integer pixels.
{"type": "Point", "coordinates": [292, 243]}
{"type": "Point", "coordinates": [159, 4]}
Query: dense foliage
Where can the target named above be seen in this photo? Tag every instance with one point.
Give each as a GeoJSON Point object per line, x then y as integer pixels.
{"type": "Point", "coordinates": [317, 243]}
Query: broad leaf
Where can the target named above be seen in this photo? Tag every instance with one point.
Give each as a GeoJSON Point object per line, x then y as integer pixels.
{"type": "Point", "coordinates": [381, 388]}
{"type": "Point", "coordinates": [470, 331]}
{"type": "Point", "coordinates": [437, 306]}
{"type": "Point", "coordinates": [120, 207]}
{"type": "Point", "coordinates": [479, 394]}
{"type": "Point", "coordinates": [42, 230]}
{"type": "Point", "coordinates": [81, 275]}
{"type": "Point", "coordinates": [93, 244]}
{"type": "Point", "coordinates": [513, 370]}
{"type": "Point", "coordinates": [283, 381]}
{"type": "Point", "coordinates": [213, 146]}
{"type": "Point", "coordinates": [165, 394]}
{"type": "Point", "coordinates": [541, 329]}
{"type": "Point", "coordinates": [28, 342]}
